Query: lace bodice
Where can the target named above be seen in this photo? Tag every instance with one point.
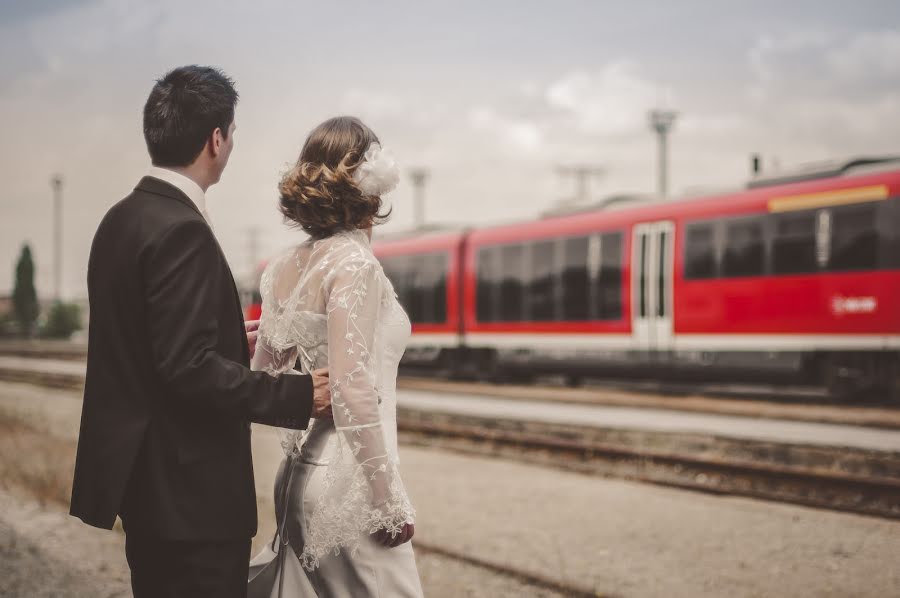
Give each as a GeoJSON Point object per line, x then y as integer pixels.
{"type": "Point", "coordinates": [328, 303]}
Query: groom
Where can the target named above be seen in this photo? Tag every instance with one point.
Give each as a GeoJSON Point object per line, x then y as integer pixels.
{"type": "Point", "coordinates": [169, 396]}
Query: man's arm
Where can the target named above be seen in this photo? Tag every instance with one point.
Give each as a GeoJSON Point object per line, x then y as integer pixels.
{"type": "Point", "coordinates": [183, 281]}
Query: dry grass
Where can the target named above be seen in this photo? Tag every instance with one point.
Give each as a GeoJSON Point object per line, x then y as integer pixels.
{"type": "Point", "coordinates": [34, 463]}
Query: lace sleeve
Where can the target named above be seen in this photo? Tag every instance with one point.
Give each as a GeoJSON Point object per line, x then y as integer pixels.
{"type": "Point", "coordinates": [363, 489]}
{"type": "Point", "coordinates": [277, 362]}
{"type": "Point", "coordinates": [287, 333]}
{"type": "Point", "coordinates": [271, 360]}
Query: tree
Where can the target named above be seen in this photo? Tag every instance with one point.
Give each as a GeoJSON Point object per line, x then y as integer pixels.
{"type": "Point", "coordinates": [25, 302]}
{"type": "Point", "coordinates": [64, 319]}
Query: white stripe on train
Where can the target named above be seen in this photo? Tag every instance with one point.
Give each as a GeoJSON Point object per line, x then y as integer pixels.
{"type": "Point", "coordinates": [679, 342]}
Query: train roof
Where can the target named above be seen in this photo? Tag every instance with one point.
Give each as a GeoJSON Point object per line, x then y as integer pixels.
{"type": "Point", "coordinates": [429, 238]}
{"type": "Point", "coordinates": [829, 182]}
{"type": "Point", "coordinates": [873, 179]}
{"type": "Point", "coordinates": [828, 169]}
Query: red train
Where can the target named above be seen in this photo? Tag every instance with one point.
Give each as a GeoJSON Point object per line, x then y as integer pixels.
{"type": "Point", "coordinates": [795, 279]}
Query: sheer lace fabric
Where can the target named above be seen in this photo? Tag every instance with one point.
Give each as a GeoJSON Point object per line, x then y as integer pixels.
{"type": "Point", "coordinates": [329, 304]}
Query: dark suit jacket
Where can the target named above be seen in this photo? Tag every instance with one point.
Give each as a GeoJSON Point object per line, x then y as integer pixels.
{"type": "Point", "coordinates": [168, 399]}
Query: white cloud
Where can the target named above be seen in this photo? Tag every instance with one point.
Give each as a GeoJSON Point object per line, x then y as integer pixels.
{"type": "Point", "coordinates": [506, 131]}
{"type": "Point", "coordinates": [376, 103]}
{"type": "Point", "coordinates": [826, 64]}
{"type": "Point", "coordinates": [612, 100]}
{"type": "Point", "coordinates": [870, 59]}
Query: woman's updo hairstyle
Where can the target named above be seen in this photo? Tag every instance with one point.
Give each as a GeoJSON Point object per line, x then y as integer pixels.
{"type": "Point", "coordinates": [319, 193]}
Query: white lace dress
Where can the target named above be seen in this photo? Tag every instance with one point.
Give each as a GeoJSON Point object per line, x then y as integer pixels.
{"type": "Point", "coordinates": [328, 303]}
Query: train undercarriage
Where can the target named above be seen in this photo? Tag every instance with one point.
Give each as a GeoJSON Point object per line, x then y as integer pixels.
{"type": "Point", "coordinates": [847, 376]}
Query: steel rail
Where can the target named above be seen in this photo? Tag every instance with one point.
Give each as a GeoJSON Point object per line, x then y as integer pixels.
{"type": "Point", "coordinates": [867, 495]}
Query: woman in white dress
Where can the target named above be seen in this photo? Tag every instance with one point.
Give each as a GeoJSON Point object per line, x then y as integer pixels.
{"type": "Point", "coordinates": [344, 518]}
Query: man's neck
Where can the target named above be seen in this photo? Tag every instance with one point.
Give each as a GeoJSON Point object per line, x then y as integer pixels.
{"type": "Point", "coordinates": [193, 173]}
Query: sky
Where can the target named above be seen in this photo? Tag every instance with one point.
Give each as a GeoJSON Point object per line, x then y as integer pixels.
{"type": "Point", "coordinates": [492, 97]}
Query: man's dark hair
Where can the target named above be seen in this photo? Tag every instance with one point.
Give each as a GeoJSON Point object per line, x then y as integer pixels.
{"type": "Point", "coordinates": [183, 110]}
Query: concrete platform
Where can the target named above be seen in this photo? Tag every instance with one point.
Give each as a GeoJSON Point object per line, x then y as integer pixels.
{"type": "Point", "coordinates": [657, 420]}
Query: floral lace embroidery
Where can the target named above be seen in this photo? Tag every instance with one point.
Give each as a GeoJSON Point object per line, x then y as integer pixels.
{"type": "Point", "coordinates": [334, 316]}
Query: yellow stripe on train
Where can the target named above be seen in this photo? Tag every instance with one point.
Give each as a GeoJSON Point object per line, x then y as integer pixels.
{"type": "Point", "coordinates": [828, 198]}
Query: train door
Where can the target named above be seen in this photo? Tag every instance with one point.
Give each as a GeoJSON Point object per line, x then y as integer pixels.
{"type": "Point", "coordinates": [652, 267]}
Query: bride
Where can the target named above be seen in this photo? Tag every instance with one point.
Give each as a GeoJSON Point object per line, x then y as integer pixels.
{"type": "Point", "coordinates": [344, 518]}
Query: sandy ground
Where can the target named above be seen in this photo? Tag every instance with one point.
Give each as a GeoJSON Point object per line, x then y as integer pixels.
{"type": "Point", "coordinates": [45, 553]}
{"type": "Point", "coordinates": [620, 538]}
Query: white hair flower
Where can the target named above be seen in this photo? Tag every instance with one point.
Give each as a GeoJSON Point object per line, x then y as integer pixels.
{"type": "Point", "coordinates": [378, 173]}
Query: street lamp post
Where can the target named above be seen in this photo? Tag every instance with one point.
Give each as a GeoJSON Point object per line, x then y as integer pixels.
{"type": "Point", "coordinates": [419, 176]}
{"type": "Point", "coordinates": [582, 173]}
{"type": "Point", "coordinates": [57, 183]}
{"type": "Point", "coordinates": [661, 121]}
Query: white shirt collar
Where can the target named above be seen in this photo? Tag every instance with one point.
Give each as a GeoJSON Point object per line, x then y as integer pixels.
{"type": "Point", "coordinates": [183, 184]}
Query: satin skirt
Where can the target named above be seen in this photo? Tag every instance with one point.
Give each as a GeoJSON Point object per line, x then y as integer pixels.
{"type": "Point", "coordinates": [373, 570]}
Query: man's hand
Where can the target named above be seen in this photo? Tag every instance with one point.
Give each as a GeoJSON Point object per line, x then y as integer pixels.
{"type": "Point", "coordinates": [385, 538]}
{"type": "Point", "coordinates": [251, 328]}
{"type": "Point", "coordinates": [321, 394]}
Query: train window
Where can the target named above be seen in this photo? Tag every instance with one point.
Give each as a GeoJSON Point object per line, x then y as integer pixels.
{"type": "Point", "coordinates": [700, 251]}
{"type": "Point", "coordinates": [854, 238]}
{"type": "Point", "coordinates": [487, 284]}
{"type": "Point", "coordinates": [642, 266]}
{"type": "Point", "coordinates": [542, 284]}
{"type": "Point", "coordinates": [437, 272]}
{"type": "Point", "coordinates": [395, 268]}
{"type": "Point", "coordinates": [744, 248]}
{"type": "Point", "coordinates": [889, 221]}
{"type": "Point", "coordinates": [662, 275]}
{"type": "Point", "coordinates": [794, 246]}
{"type": "Point", "coordinates": [575, 279]}
{"type": "Point", "coordinates": [418, 299]}
{"type": "Point", "coordinates": [388, 265]}
{"type": "Point", "coordinates": [609, 279]}
{"type": "Point", "coordinates": [512, 283]}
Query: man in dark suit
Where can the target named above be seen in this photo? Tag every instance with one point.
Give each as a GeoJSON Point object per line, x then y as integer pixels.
{"type": "Point", "coordinates": [169, 396]}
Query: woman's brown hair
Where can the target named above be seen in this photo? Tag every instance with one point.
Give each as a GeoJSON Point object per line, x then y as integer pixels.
{"type": "Point", "coordinates": [318, 193]}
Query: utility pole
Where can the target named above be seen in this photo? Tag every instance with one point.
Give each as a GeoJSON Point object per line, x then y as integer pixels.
{"type": "Point", "coordinates": [755, 165]}
{"type": "Point", "coordinates": [661, 121]}
{"type": "Point", "coordinates": [56, 181]}
{"type": "Point", "coordinates": [419, 176]}
{"type": "Point", "coordinates": [582, 174]}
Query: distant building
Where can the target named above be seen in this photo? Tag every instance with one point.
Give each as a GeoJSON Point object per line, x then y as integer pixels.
{"type": "Point", "coordinates": [6, 304]}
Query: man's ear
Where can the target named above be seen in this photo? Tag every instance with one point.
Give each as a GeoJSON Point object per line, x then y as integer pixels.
{"type": "Point", "coordinates": [215, 142]}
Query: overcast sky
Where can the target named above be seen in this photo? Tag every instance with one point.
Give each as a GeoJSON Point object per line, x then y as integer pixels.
{"type": "Point", "coordinates": [490, 96]}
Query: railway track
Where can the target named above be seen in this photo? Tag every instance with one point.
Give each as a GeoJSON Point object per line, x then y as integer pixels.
{"type": "Point", "coordinates": [771, 392]}
{"type": "Point", "coordinates": [742, 400]}
{"type": "Point", "coordinates": [720, 397]}
{"type": "Point", "coordinates": [44, 349]}
{"type": "Point", "coordinates": [774, 393]}
{"type": "Point", "coordinates": [841, 479]}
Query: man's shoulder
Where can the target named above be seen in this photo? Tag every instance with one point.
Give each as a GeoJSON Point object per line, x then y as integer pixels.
{"type": "Point", "coordinates": [148, 214]}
